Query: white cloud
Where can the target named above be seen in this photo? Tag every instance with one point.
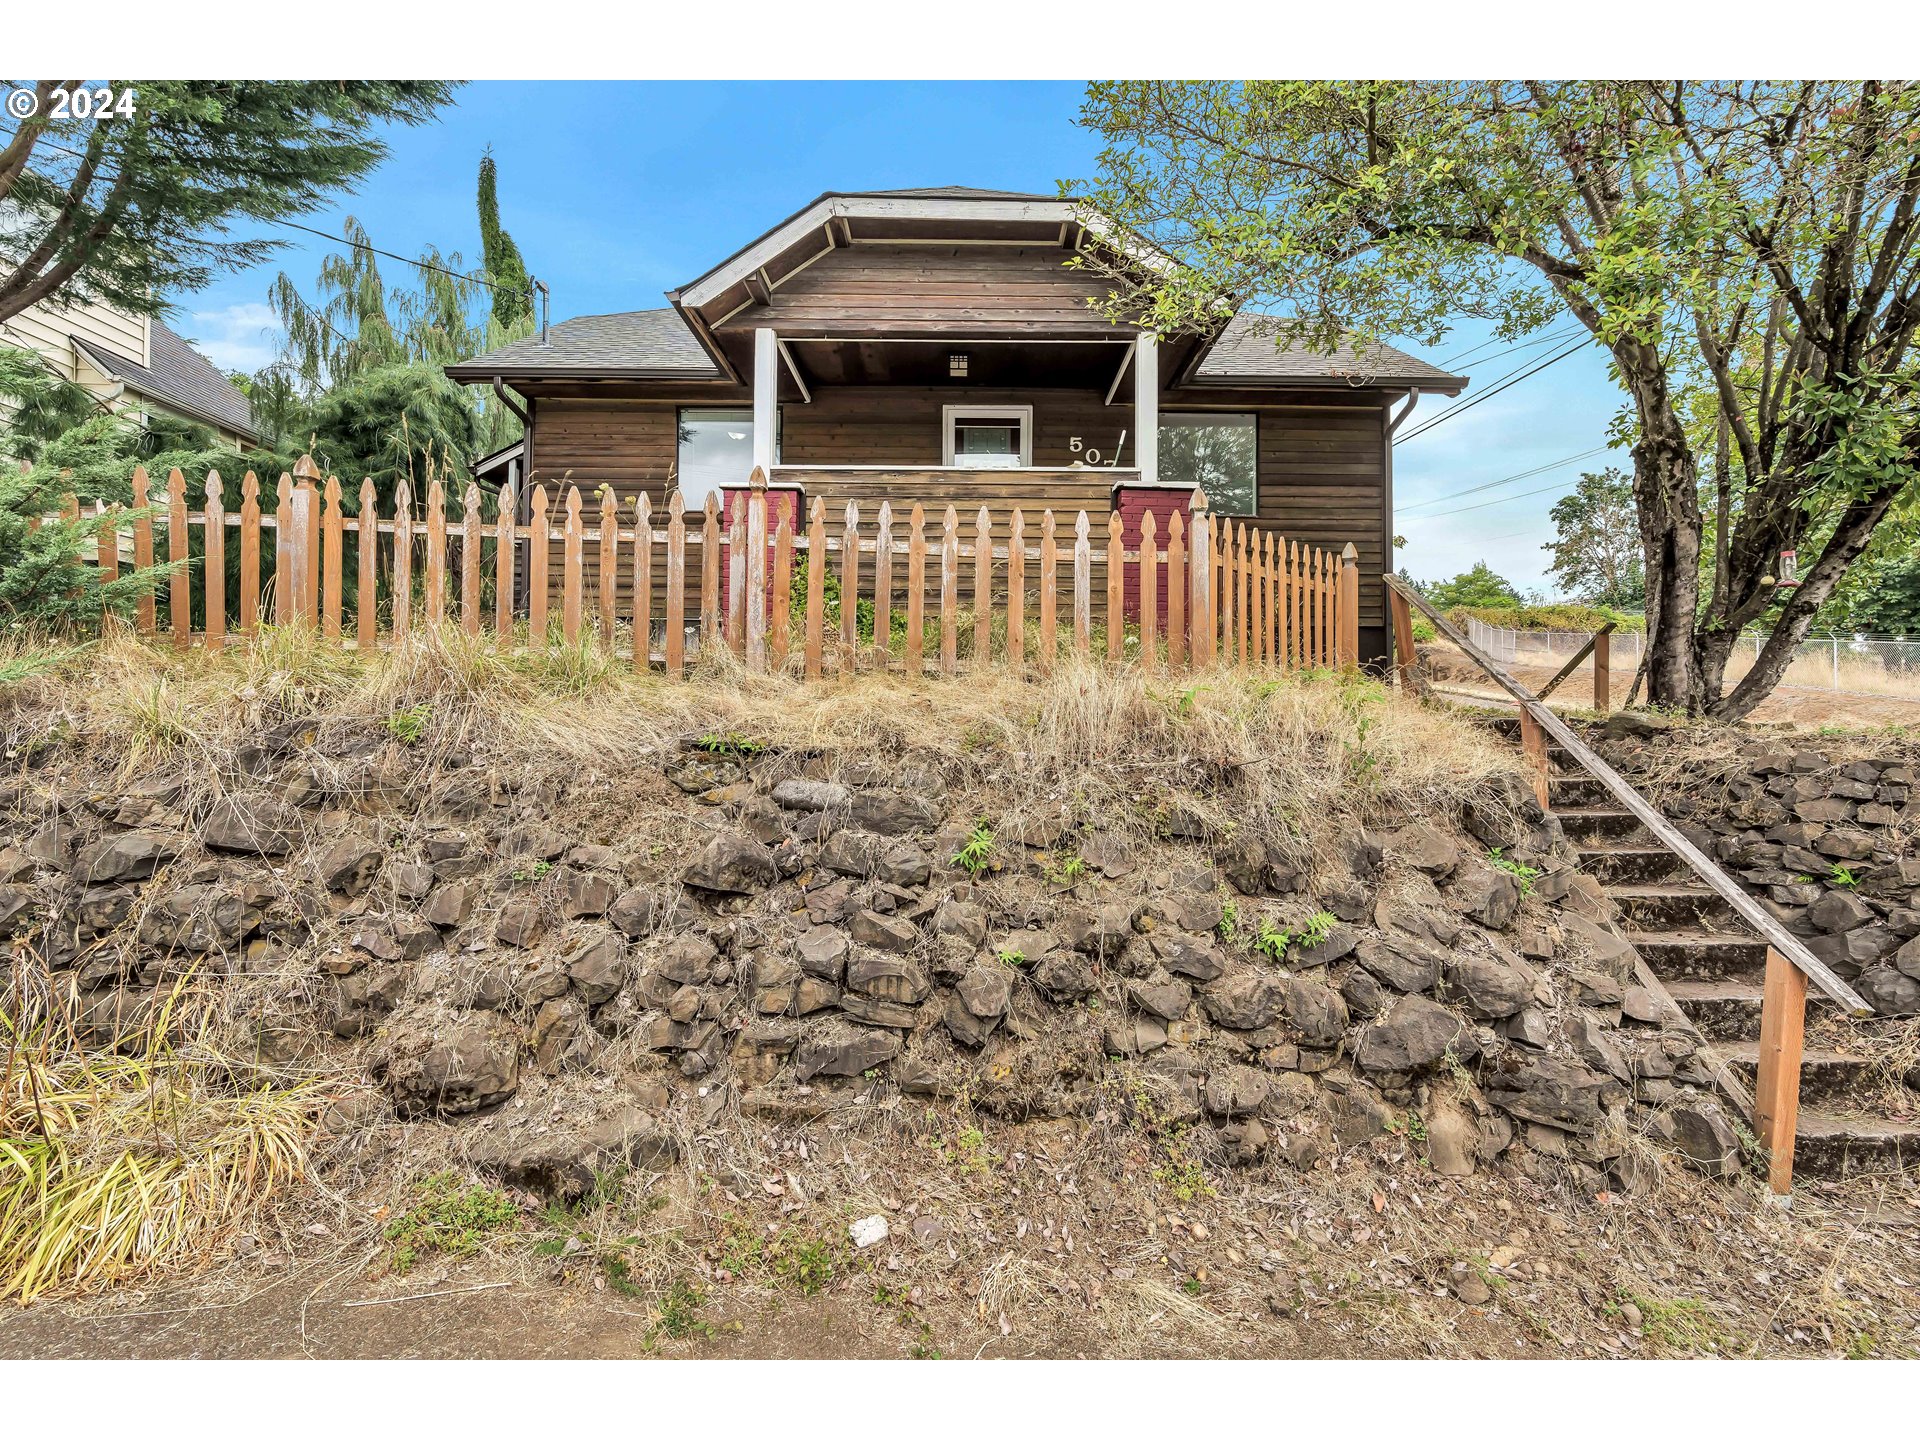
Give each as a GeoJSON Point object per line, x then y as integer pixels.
{"type": "Point", "coordinates": [242, 337]}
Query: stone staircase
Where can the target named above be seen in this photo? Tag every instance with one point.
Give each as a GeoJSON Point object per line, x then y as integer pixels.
{"type": "Point", "coordinates": [1712, 966]}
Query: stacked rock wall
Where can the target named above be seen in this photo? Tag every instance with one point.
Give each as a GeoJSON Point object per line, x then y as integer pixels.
{"type": "Point", "coordinates": [561, 958]}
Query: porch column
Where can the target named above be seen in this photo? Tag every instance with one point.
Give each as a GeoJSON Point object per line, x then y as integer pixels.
{"type": "Point", "coordinates": [1146, 406]}
{"type": "Point", "coordinates": [766, 401]}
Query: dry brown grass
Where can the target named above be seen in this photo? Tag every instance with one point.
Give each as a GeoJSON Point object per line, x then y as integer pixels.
{"type": "Point", "coordinates": [1288, 758]}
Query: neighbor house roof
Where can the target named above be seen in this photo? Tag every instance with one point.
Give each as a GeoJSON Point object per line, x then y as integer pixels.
{"type": "Point", "coordinates": [1247, 349]}
{"type": "Point", "coordinates": [180, 379]}
{"type": "Point", "coordinates": [633, 342]}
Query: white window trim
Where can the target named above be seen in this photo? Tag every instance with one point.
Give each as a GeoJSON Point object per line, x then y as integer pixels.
{"type": "Point", "coordinates": [951, 413]}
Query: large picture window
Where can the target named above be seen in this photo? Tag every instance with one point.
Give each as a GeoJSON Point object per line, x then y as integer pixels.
{"type": "Point", "coordinates": [1219, 453]}
{"type": "Point", "coordinates": [715, 448]}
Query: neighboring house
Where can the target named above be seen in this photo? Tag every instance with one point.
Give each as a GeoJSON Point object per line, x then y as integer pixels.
{"type": "Point", "coordinates": [133, 363]}
{"type": "Point", "coordinates": [934, 346]}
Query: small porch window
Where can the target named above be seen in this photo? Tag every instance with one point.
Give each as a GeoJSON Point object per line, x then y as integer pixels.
{"type": "Point", "coordinates": [1217, 452]}
{"type": "Point", "coordinates": [987, 437]}
{"type": "Point", "coordinates": [714, 448]}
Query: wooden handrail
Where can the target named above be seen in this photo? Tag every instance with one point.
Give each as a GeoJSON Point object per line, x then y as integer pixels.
{"type": "Point", "coordinates": [1749, 909]}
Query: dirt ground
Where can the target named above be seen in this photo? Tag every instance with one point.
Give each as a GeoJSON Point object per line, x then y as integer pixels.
{"type": "Point", "coordinates": [1076, 1245]}
{"type": "Point", "coordinates": [1789, 706]}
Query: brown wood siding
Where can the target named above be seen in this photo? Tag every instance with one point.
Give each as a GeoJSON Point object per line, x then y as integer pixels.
{"type": "Point", "coordinates": [900, 425]}
{"type": "Point", "coordinates": [629, 444]}
{"type": "Point", "coordinates": [933, 289]}
{"type": "Point", "coordinates": [1322, 480]}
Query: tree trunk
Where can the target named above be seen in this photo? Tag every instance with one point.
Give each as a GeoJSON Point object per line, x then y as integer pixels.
{"type": "Point", "coordinates": [1665, 486]}
{"type": "Point", "coordinates": [1849, 538]}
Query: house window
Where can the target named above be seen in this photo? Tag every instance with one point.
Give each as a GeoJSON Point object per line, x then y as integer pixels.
{"type": "Point", "coordinates": [715, 449]}
{"type": "Point", "coordinates": [1219, 453]}
{"type": "Point", "coordinates": [988, 437]}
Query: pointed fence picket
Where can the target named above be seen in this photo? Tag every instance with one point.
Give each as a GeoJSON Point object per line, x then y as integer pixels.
{"type": "Point", "coordinates": [1207, 589]}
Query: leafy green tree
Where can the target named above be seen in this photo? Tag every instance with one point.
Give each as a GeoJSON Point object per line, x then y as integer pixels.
{"type": "Point", "coordinates": [1750, 242]}
{"type": "Point", "coordinates": [1596, 544]}
{"type": "Point", "coordinates": [1479, 586]}
{"type": "Point", "coordinates": [1886, 601]}
{"type": "Point", "coordinates": [139, 207]}
{"type": "Point", "coordinates": [512, 294]}
{"type": "Point", "coordinates": [357, 324]}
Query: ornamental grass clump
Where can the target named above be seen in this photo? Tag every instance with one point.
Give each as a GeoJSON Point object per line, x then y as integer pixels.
{"type": "Point", "coordinates": [114, 1165]}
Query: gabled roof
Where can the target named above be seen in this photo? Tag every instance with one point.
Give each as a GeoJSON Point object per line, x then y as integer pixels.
{"type": "Point", "coordinates": [957, 192]}
{"type": "Point", "coordinates": [180, 378]}
{"type": "Point", "coordinates": [652, 343]}
{"type": "Point", "coordinates": [939, 203]}
{"type": "Point", "coordinates": [665, 343]}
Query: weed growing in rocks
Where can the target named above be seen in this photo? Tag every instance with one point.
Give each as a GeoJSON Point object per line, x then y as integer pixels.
{"type": "Point", "coordinates": [408, 725]}
{"type": "Point", "coordinates": [116, 1164]}
{"type": "Point", "coordinates": [975, 856]}
{"type": "Point", "coordinates": [1525, 874]}
{"type": "Point", "coordinates": [451, 1219]}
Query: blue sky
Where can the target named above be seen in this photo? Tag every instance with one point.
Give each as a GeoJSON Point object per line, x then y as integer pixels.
{"type": "Point", "coordinates": [616, 192]}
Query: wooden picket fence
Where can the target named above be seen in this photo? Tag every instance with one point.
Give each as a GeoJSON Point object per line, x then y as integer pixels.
{"type": "Point", "coordinates": [1218, 592]}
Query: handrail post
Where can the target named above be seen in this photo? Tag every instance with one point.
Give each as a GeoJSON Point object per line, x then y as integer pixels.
{"type": "Point", "coordinates": [1776, 1090]}
{"type": "Point", "coordinates": [1533, 744]}
{"type": "Point", "coordinates": [1603, 670]}
{"type": "Point", "coordinates": [1405, 660]}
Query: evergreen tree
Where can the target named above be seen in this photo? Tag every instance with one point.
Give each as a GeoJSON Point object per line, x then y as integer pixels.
{"type": "Point", "coordinates": [138, 207]}
{"type": "Point", "coordinates": [39, 404]}
{"type": "Point", "coordinates": [512, 295]}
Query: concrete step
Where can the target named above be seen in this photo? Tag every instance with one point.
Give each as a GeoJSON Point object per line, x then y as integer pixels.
{"type": "Point", "coordinates": [1832, 1144]}
{"type": "Point", "coordinates": [1631, 864]}
{"type": "Point", "coordinates": [1577, 790]}
{"type": "Point", "coordinates": [1824, 1074]}
{"type": "Point", "coordinates": [1675, 953]}
{"type": "Point", "coordinates": [1587, 824]}
{"type": "Point", "coordinates": [1727, 1009]}
{"type": "Point", "coordinates": [1659, 907]}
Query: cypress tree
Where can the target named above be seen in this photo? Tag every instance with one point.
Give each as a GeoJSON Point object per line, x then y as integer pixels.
{"type": "Point", "coordinates": [505, 268]}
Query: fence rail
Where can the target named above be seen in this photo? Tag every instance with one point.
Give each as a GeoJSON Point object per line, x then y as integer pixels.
{"type": "Point", "coordinates": [912, 591]}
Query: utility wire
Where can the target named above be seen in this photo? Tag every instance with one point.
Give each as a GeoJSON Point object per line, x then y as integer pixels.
{"type": "Point", "coordinates": [1549, 338]}
{"type": "Point", "coordinates": [1508, 480]}
{"type": "Point", "coordinates": [1503, 500]}
{"type": "Point", "coordinates": [1507, 383]}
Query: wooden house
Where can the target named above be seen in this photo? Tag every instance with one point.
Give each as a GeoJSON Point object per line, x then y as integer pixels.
{"type": "Point", "coordinates": [937, 346]}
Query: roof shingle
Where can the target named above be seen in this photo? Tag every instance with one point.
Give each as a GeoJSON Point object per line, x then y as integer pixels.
{"type": "Point", "coordinates": [180, 378]}
{"type": "Point", "coordinates": [1247, 349]}
{"type": "Point", "coordinates": [628, 341]}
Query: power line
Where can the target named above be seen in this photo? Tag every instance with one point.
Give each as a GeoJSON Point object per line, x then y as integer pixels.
{"type": "Point", "coordinates": [1503, 500]}
{"type": "Point", "coordinates": [1508, 480]}
{"type": "Point", "coordinates": [1549, 338]}
{"type": "Point", "coordinates": [296, 225]}
{"type": "Point", "coordinates": [1507, 383]}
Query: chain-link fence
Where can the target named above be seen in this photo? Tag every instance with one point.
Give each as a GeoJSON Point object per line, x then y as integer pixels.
{"type": "Point", "coordinates": [1860, 664]}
